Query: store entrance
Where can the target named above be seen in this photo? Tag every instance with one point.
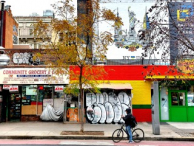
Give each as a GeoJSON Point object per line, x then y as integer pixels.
{"type": "Point", "coordinates": [6, 96]}
{"type": "Point", "coordinates": [14, 112]}
{"type": "Point", "coordinates": [178, 106]}
{"type": "Point", "coordinates": [71, 112]}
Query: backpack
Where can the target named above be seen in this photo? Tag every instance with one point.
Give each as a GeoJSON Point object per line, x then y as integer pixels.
{"type": "Point", "coordinates": [133, 122]}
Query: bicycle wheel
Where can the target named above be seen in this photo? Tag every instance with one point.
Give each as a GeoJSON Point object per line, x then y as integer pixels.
{"type": "Point", "coordinates": [117, 135]}
{"type": "Point", "coordinates": [138, 135]}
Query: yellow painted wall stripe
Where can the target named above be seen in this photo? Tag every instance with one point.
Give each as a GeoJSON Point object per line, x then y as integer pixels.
{"type": "Point", "coordinates": [141, 90]}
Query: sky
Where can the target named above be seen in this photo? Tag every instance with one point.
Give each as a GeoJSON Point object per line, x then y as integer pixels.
{"type": "Point", "coordinates": [27, 7]}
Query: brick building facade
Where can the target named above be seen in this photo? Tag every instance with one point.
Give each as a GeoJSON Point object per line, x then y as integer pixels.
{"type": "Point", "coordinates": [10, 29]}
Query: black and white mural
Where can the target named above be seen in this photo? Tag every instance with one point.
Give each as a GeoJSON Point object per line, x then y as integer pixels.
{"type": "Point", "coordinates": [106, 107]}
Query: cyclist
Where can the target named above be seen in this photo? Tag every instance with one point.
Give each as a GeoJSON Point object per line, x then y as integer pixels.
{"type": "Point", "coordinates": [127, 120]}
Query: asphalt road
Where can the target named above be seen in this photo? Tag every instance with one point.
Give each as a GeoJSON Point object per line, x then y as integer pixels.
{"type": "Point", "coordinates": [9, 142]}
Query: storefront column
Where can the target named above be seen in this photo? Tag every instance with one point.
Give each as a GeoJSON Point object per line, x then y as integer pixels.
{"type": "Point", "coordinates": [65, 111]}
{"type": "Point", "coordinates": [155, 110]}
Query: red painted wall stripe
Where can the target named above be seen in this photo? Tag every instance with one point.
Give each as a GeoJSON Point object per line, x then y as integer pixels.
{"type": "Point", "coordinates": [135, 72]}
{"type": "Point", "coordinates": [34, 103]}
{"type": "Point", "coordinates": [143, 115]}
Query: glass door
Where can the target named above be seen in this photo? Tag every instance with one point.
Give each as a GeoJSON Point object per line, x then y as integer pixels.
{"type": "Point", "coordinates": [178, 107]}
{"type": "Point", "coordinates": [14, 107]}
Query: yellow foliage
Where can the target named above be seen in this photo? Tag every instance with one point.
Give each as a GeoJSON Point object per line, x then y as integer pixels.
{"type": "Point", "coordinates": [70, 50]}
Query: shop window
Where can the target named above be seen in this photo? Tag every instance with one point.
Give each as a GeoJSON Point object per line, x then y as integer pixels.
{"type": "Point", "coordinates": [190, 96]}
{"type": "Point", "coordinates": [29, 100]}
{"type": "Point", "coordinates": [36, 97]}
{"type": "Point", "coordinates": [45, 94]}
{"type": "Point", "coordinates": [182, 99]}
{"type": "Point", "coordinates": [15, 106]}
{"type": "Point", "coordinates": [178, 98]}
{"type": "Point", "coordinates": [59, 95]}
{"type": "Point", "coordinates": [190, 99]}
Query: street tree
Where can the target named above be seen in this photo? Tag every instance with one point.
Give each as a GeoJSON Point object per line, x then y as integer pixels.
{"type": "Point", "coordinates": [171, 29]}
{"type": "Point", "coordinates": [74, 43]}
{"type": "Point", "coordinates": [170, 37]}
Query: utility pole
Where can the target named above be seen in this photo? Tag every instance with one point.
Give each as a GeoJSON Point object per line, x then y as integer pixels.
{"type": "Point", "coordinates": [155, 110]}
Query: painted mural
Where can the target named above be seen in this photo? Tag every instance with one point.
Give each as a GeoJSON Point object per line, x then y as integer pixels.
{"type": "Point", "coordinates": [106, 107]}
{"type": "Point", "coordinates": [128, 41]}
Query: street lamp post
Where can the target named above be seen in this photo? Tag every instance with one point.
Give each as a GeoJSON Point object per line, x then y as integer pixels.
{"type": "Point", "coordinates": [4, 58]}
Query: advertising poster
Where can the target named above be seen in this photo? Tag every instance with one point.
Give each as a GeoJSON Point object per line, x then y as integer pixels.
{"type": "Point", "coordinates": [126, 41]}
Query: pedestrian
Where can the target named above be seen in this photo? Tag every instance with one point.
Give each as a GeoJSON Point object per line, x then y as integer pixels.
{"type": "Point", "coordinates": [127, 120]}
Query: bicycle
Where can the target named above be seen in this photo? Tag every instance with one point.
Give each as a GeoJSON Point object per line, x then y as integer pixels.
{"type": "Point", "coordinates": [137, 134]}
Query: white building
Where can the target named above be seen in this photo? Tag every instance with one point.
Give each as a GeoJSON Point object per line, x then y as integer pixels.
{"type": "Point", "coordinates": [26, 35]}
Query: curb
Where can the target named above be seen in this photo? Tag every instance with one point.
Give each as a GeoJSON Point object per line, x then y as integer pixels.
{"type": "Point", "coordinates": [97, 138]}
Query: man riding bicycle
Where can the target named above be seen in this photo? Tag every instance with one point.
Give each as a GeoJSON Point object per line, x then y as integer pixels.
{"type": "Point", "coordinates": [127, 120]}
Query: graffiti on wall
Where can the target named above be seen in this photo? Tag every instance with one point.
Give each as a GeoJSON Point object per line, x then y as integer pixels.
{"type": "Point", "coordinates": [25, 58]}
{"type": "Point", "coordinates": [106, 107]}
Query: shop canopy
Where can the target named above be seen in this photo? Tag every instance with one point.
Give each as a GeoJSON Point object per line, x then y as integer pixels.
{"type": "Point", "coordinates": [170, 77]}
{"type": "Point", "coordinates": [117, 86]}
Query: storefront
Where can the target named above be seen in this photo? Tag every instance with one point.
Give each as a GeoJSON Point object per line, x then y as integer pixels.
{"type": "Point", "coordinates": [27, 91]}
{"type": "Point", "coordinates": [177, 103]}
{"type": "Point", "coordinates": [37, 88]}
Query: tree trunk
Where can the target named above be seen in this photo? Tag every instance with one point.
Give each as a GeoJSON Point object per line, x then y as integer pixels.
{"type": "Point", "coordinates": [81, 104]}
{"type": "Point", "coordinates": [82, 112]}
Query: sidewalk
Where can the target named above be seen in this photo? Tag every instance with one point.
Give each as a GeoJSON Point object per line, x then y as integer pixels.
{"type": "Point", "coordinates": [52, 130]}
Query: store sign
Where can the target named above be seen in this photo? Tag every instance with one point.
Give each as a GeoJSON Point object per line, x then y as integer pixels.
{"type": "Point", "coordinates": [6, 87]}
{"type": "Point", "coordinates": [13, 88]}
{"type": "Point", "coordinates": [31, 76]}
{"type": "Point", "coordinates": [58, 88]}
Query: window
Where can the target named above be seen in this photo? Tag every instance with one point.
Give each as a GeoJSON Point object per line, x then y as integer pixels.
{"type": "Point", "coordinates": [60, 36]}
{"type": "Point", "coordinates": [178, 98]}
{"type": "Point", "coordinates": [15, 39]}
{"type": "Point", "coordinates": [190, 96]}
{"type": "Point", "coordinates": [31, 31]}
{"type": "Point", "coordinates": [15, 29]}
{"type": "Point", "coordinates": [29, 100]}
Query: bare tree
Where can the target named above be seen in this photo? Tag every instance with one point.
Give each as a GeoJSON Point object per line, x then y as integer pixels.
{"type": "Point", "coordinates": [171, 29]}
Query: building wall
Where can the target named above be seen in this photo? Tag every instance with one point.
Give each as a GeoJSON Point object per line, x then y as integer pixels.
{"type": "Point", "coordinates": [141, 92]}
{"type": "Point", "coordinates": [26, 29]}
{"type": "Point", "coordinates": [9, 23]}
{"type": "Point", "coordinates": [141, 100]}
